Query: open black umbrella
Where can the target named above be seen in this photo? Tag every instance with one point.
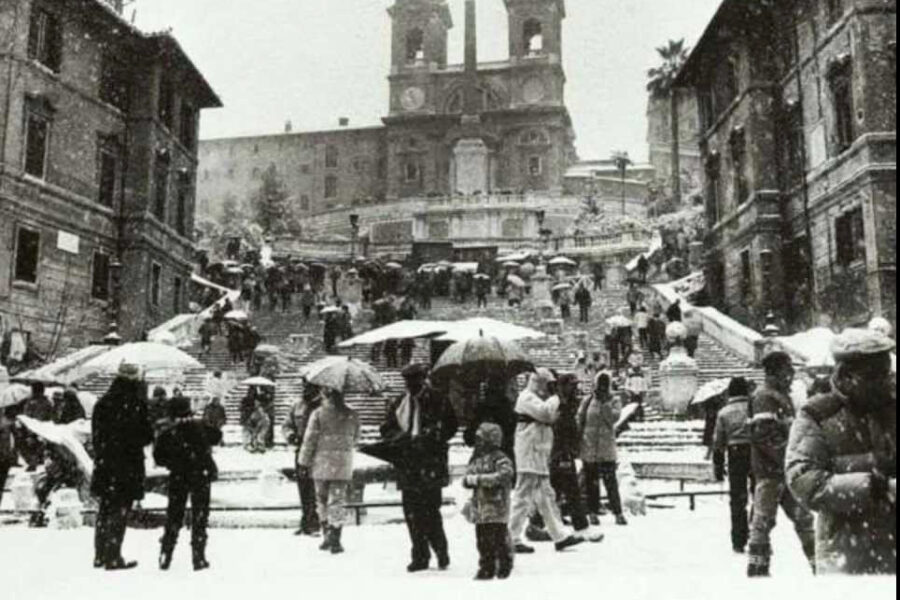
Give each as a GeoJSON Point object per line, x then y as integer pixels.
{"type": "Point", "coordinates": [480, 357]}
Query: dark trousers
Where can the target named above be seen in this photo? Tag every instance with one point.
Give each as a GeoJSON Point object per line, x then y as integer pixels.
{"type": "Point", "coordinates": [565, 311]}
{"type": "Point", "coordinates": [644, 337]}
{"type": "Point", "coordinates": [690, 344]}
{"type": "Point", "coordinates": [740, 480]}
{"type": "Point", "coordinates": [564, 480]}
{"type": "Point", "coordinates": [494, 548]}
{"type": "Point", "coordinates": [584, 312]}
{"type": "Point", "coordinates": [422, 511]}
{"type": "Point", "coordinates": [4, 473]}
{"type": "Point", "coordinates": [109, 532]}
{"type": "Point", "coordinates": [482, 300]}
{"type": "Point", "coordinates": [309, 522]}
{"type": "Point", "coordinates": [593, 473]}
{"type": "Point", "coordinates": [180, 488]}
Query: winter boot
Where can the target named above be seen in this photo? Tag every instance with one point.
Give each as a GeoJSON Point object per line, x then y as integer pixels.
{"type": "Point", "coordinates": [504, 569]}
{"type": "Point", "coordinates": [621, 520]}
{"type": "Point", "coordinates": [484, 574]}
{"type": "Point", "coordinates": [536, 534]}
{"type": "Point", "coordinates": [336, 547]}
{"type": "Point", "coordinates": [572, 540]}
{"type": "Point", "coordinates": [326, 533]}
{"type": "Point", "coordinates": [758, 563]}
{"type": "Point", "coordinates": [199, 558]}
{"type": "Point", "coordinates": [165, 558]}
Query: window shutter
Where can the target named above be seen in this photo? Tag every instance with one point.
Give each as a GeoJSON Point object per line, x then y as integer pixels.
{"type": "Point", "coordinates": [53, 41]}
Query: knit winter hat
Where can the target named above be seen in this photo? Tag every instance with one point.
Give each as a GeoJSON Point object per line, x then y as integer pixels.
{"type": "Point", "coordinates": [490, 433]}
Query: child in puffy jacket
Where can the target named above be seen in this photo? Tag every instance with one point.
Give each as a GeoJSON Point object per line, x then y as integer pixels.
{"type": "Point", "coordinates": [490, 475]}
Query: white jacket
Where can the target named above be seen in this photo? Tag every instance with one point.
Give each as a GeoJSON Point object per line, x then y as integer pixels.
{"type": "Point", "coordinates": [534, 440]}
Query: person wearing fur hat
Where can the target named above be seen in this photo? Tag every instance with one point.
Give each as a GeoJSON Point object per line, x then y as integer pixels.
{"type": "Point", "coordinates": [120, 428]}
{"type": "Point", "coordinates": [490, 475]}
{"type": "Point", "coordinates": [326, 455]}
{"type": "Point", "coordinates": [731, 444]}
{"type": "Point", "coordinates": [771, 416]}
{"type": "Point", "coordinates": [842, 459]}
{"type": "Point", "coordinates": [184, 447]}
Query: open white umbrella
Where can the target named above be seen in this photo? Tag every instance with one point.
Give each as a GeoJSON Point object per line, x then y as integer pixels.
{"type": "Point", "coordinates": [329, 310]}
{"type": "Point", "coordinates": [485, 327]}
{"type": "Point", "coordinates": [70, 437]}
{"type": "Point", "coordinates": [511, 264]}
{"type": "Point", "coordinates": [562, 261]}
{"type": "Point", "coordinates": [562, 286]}
{"type": "Point", "coordinates": [259, 381]}
{"type": "Point", "coordinates": [619, 321]}
{"type": "Point", "coordinates": [393, 265]}
{"type": "Point", "coordinates": [516, 280]}
{"type": "Point", "coordinates": [14, 394]}
{"type": "Point", "coordinates": [710, 390]}
{"type": "Point", "coordinates": [344, 374]}
{"type": "Point", "coordinates": [147, 355]}
{"type": "Point", "coordinates": [236, 315]}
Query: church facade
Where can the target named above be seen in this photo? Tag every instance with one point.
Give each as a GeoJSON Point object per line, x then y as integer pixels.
{"type": "Point", "coordinates": [470, 129]}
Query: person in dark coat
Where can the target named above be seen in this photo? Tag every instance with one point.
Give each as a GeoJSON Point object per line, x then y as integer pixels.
{"type": "Point", "coordinates": [771, 416]}
{"type": "Point", "coordinates": [731, 447]}
{"type": "Point", "coordinates": [597, 417]}
{"type": "Point", "coordinates": [214, 414]}
{"type": "Point", "coordinates": [842, 459]}
{"type": "Point", "coordinates": [8, 456]}
{"type": "Point", "coordinates": [493, 405]}
{"type": "Point", "coordinates": [584, 300]}
{"type": "Point", "coordinates": [294, 429]}
{"type": "Point", "coordinates": [673, 313]}
{"type": "Point", "coordinates": [428, 422]}
{"type": "Point", "coordinates": [656, 335]}
{"type": "Point", "coordinates": [566, 448]}
{"type": "Point", "coordinates": [120, 430]}
{"type": "Point", "coordinates": [643, 267]}
{"type": "Point", "coordinates": [69, 409]}
{"type": "Point", "coordinates": [206, 331]}
{"type": "Point", "coordinates": [331, 332]}
{"type": "Point", "coordinates": [39, 407]}
{"type": "Point", "coordinates": [184, 447]}
{"type": "Point", "coordinates": [157, 405]}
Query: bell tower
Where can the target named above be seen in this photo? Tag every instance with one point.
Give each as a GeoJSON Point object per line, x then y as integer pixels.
{"type": "Point", "coordinates": [419, 38]}
{"type": "Point", "coordinates": [535, 28]}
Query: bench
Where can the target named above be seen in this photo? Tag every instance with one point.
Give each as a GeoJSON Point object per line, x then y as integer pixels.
{"type": "Point", "coordinates": [358, 507]}
{"type": "Point", "coordinates": [692, 496]}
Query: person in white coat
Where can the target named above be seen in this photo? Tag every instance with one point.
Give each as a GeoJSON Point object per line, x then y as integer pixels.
{"type": "Point", "coordinates": [536, 414]}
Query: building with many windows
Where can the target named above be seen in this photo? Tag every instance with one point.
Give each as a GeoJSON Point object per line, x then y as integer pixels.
{"type": "Point", "coordinates": [98, 159]}
{"type": "Point", "coordinates": [798, 140]}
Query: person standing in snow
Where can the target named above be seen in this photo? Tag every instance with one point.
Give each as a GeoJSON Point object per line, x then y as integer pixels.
{"type": "Point", "coordinates": [490, 475]}
{"type": "Point", "coordinates": [536, 413]}
{"type": "Point", "coordinates": [731, 446]}
{"type": "Point", "coordinates": [184, 447]}
{"type": "Point", "coordinates": [120, 429]}
{"type": "Point", "coordinates": [842, 459]}
{"type": "Point", "coordinates": [771, 416]}
{"type": "Point", "coordinates": [294, 429]}
{"type": "Point", "coordinates": [428, 422]}
{"type": "Point", "coordinates": [597, 418]}
{"type": "Point", "coordinates": [327, 456]}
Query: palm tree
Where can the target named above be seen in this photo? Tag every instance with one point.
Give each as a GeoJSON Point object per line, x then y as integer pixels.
{"type": "Point", "coordinates": [661, 86]}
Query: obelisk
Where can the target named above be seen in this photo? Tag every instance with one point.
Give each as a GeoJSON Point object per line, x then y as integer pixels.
{"type": "Point", "coordinates": [470, 153]}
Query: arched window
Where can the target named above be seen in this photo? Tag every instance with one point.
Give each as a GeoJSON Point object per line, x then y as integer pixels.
{"type": "Point", "coordinates": [415, 45]}
{"type": "Point", "coordinates": [533, 34]}
{"type": "Point", "coordinates": [533, 137]}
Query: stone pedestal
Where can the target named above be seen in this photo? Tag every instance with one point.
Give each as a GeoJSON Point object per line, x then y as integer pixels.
{"type": "Point", "coordinates": [470, 159]}
{"type": "Point", "coordinates": [616, 276]}
{"type": "Point", "coordinates": [552, 326]}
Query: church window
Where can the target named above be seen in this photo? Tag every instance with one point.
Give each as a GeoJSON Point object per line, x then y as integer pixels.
{"type": "Point", "coordinates": [535, 166]}
{"type": "Point", "coordinates": [412, 172]}
{"type": "Point", "coordinates": [415, 45]}
{"type": "Point", "coordinates": [842, 98]}
{"type": "Point", "coordinates": [851, 237]}
{"type": "Point", "coordinates": [331, 157]}
{"type": "Point", "coordinates": [331, 184]}
{"type": "Point", "coordinates": [533, 34]}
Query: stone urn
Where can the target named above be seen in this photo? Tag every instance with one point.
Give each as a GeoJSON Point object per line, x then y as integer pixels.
{"type": "Point", "coordinates": [678, 374]}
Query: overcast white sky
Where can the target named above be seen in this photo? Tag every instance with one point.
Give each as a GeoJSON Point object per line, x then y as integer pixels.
{"type": "Point", "coordinates": [313, 61]}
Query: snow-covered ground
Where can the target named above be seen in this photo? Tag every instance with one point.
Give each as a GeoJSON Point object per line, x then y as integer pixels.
{"type": "Point", "coordinates": [666, 555]}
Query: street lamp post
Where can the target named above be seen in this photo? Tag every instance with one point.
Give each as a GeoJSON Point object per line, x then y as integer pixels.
{"type": "Point", "coordinates": [115, 274]}
{"type": "Point", "coordinates": [622, 163]}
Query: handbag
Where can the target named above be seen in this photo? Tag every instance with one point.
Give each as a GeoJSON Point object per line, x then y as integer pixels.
{"type": "Point", "coordinates": [468, 511]}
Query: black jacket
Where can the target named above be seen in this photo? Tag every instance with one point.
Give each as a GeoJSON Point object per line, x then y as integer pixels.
{"type": "Point", "coordinates": [121, 429]}
{"type": "Point", "coordinates": [185, 448]}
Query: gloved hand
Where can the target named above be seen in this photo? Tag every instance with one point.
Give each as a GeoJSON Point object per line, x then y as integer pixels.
{"type": "Point", "coordinates": [720, 474]}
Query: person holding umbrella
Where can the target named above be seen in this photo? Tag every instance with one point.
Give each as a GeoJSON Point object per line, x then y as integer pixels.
{"type": "Point", "coordinates": [326, 456]}
{"type": "Point", "coordinates": [731, 440]}
{"type": "Point", "coordinates": [8, 457]}
{"type": "Point", "coordinates": [584, 300]}
{"type": "Point", "coordinates": [427, 422]}
{"type": "Point", "coordinates": [120, 429]}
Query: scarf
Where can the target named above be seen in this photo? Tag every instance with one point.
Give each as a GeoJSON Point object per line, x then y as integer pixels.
{"type": "Point", "coordinates": [409, 413]}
